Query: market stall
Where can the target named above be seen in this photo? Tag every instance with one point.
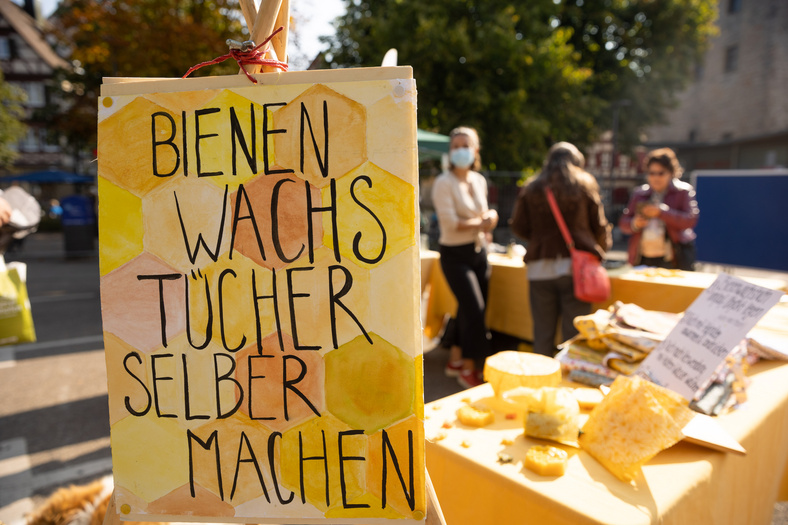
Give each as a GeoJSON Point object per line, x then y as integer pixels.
{"type": "Point", "coordinates": [731, 472]}
{"type": "Point", "coordinates": [509, 312]}
{"type": "Point", "coordinates": [687, 483]}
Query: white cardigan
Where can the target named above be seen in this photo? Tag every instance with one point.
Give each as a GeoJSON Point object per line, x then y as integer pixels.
{"type": "Point", "coordinates": [454, 202]}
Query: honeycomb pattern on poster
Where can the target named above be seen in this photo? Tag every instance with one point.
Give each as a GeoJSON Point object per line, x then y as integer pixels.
{"type": "Point", "coordinates": [259, 270]}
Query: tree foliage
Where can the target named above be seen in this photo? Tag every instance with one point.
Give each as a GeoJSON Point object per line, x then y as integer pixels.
{"type": "Point", "coordinates": [134, 38]}
{"type": "Point", "coordinates": [12, 129]}
{"type": "Point", "coordinates": [527, 74]}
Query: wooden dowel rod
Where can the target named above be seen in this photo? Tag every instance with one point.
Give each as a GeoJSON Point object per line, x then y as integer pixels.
{"type": "Point", "coordinates": [279, 42]}
{"type": "Point", "coordinates": [249, 11]}
{"type": "Point", "coordinates": [266, 18]}
{"type": "Point", "coordinates": [434, 512]}
{"type": "Point", "coordinates": [111, 516]}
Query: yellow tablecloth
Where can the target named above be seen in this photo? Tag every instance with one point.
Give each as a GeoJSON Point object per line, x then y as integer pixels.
{"type": "Point", "coordinates": [684, 484]}
{"type": "Point", "coordinates": [509, 311]}
{"type": "Point", "coordinates": [508, 308]}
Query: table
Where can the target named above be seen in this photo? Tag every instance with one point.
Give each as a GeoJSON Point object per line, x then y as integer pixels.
{"type": "Point", "coordinates": [509, 310]}
{"type": "Point", "coordinates": [684, 484]}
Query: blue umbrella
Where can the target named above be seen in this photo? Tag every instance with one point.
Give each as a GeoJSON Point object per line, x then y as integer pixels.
{"type": "Point", "coordinates": [50, 176]}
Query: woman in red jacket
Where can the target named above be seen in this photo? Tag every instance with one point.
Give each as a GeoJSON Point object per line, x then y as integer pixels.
{"type": "Point", "coordinates": [661, 216]}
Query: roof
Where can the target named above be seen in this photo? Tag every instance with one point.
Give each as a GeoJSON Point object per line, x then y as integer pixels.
{"type": "Point", "coordinates": [26, 26]}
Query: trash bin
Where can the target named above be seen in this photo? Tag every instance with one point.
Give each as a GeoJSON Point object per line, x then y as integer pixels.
{"type": "Point", "coordinates": [79, 225]}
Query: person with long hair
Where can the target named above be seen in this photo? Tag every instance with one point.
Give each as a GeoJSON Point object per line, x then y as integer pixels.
{"type": "Point", "coordinates": [551, 288]}
{"type": "Point", "coordinates": [460, 199]}
{"type": "Point", "coordinates": [661, 216]}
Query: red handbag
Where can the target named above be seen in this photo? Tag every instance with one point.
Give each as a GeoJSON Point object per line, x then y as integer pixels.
{"type": "Point", "coordinates": [592, 284]}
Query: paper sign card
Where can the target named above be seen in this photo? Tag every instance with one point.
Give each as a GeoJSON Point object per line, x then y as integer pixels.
{"type": "Point", "coordinates": [260, 299]}
{"type": "Point", "coordinates": [711, 327]}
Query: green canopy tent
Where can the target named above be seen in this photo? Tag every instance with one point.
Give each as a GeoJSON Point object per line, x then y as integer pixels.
{"type": "Point", "coordinates": [431, 145]}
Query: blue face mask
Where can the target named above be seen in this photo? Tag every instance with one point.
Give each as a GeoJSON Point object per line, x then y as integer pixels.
{"type": "Point", "coordinates": [462, 157]}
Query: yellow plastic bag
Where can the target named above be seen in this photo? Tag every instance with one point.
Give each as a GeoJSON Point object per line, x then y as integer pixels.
{"type": "Point", "coordinates": [16, 317]}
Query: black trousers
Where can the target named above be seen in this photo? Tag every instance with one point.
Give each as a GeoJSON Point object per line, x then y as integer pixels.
{"type": "Point", "coordinates": [467, 274]}
{"type": "Point", "coordinates": [553, 300]}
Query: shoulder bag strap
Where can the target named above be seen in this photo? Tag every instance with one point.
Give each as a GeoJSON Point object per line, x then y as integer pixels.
{"type": "Point", "coordinates": [559, 219]}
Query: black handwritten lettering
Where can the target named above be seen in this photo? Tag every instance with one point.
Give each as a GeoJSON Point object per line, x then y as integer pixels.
{"type": "Point", "coordinates": [127, 399]}
{"type": "Point", "coordinates": [169, 141]}
{"type": "Point", "coordinates": [237, 137]}
{"type": "Point", "coordinates": [357, 238]}
{"type": "Point", "coordinates": [201, 136]}
{"type": "Point", "coordinates": [322, 162]}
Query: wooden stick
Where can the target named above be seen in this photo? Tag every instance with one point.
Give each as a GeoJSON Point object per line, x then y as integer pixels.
{"type": "Point", "coordinates": [111, 516]}
{"type": "Point", "coordinates": [250, 14]}
{"type": "Point", "coordinates": [434, 512]}
{"type": "Point", "coordinates": [249, 11]}
{"type": "Point", "coordinates": [266, 18]}
{"type": "Point", "coordinates": [279, 42]}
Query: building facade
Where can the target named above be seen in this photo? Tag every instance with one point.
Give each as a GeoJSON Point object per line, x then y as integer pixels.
{"type": "Point", "coordinates": [734, 115]}
{"type": "Point", "coordinates": [29, 62]}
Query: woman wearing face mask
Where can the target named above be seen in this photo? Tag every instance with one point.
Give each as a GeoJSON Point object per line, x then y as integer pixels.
{"type": "Point", "coordinates": [550, 281]}
{"type": "Point", "coordinates": [661, 216]}
{"type": "Point", "coordinates": [460, 199]}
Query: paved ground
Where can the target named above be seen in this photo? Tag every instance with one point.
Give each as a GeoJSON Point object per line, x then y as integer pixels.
{"type": "Point", "coordinates": [54, 427]}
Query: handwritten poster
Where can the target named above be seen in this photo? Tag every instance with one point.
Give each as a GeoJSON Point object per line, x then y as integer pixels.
{"type": "Point", "coordinates": [259, 288]}
{"type": "Point", "coordinates": [707, 332]}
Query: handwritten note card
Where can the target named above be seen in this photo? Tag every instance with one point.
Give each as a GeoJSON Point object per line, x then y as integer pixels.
{"type": "Point", "coordinates": [710, 328]}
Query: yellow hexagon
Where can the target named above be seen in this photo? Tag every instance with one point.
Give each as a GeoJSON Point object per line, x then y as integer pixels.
{"type": "Point", "coordinates": [295, 510]}
{"type": "Point", "coordinates": [234, 319]}
{"type": "Point", "coordinates": [376, 215]}
{"type": "Point", "coordinates": [131, 302]}
{"type": "Point", "coordinates": [180, 502]}
{"type": "Point", "coordinates": [120, 226]}
{"type": "Point", "coordinates": [187, 388]}
{"type": "Point", "coordinates": [364, 506]}
{"type": "Point", "coordinates": [404, 487]}
{"type": "Point", "coordinates": [370, 386]}
{"type": "Point", "coordinates": [126, 146]}
{"type": "Point", "coordinates": [315, 110]}
{"type": "Point", "coordinates": [393, 146]}
{"type": "Point", "coordinates": [188, 219]}
{"type": "Point", "coordinates": [281, 405]}
{"type": "Point", "coordinates": [320, 481]}
{"type": "Point", "coordinates": [273, 221]}
{"type": "Point", "coordinates": [318, 317]}
{"type": "Point", "coordinates": [150, 456]}
{"type": "Point", "coordinates": [182, 100]}
{"type": "Point", "coordinates": [397, 318]}
{"type": "Point", "coordinates": [126, 369]}
{"type": "Point", "coordinates": [242, 446]}
{"type": "Point", "coordinates": [232, 139]}
{"type": "Point", "coordinates": [126, 500]}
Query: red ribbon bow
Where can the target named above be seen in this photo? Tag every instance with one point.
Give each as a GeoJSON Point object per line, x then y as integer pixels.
{"type": "Point", "coordinates": [244, 57]}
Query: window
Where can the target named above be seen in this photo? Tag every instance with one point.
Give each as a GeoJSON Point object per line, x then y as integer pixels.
{"type": "Point", "coordinates": [731, 58]}
{"type": "Point", "coordinates": [29, 142]}
{"type": "Point", "coordinates": [734, 6]}
{"type": "Point", "coordinates": [36, 94]}
{"type": "Point", "coordinates": [48, 141]}
{"type": "Point", "coordinates": [5, 48]}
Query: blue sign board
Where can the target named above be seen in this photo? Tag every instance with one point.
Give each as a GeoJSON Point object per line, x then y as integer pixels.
{"type": "Point", "coordinates": [743, 217]}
